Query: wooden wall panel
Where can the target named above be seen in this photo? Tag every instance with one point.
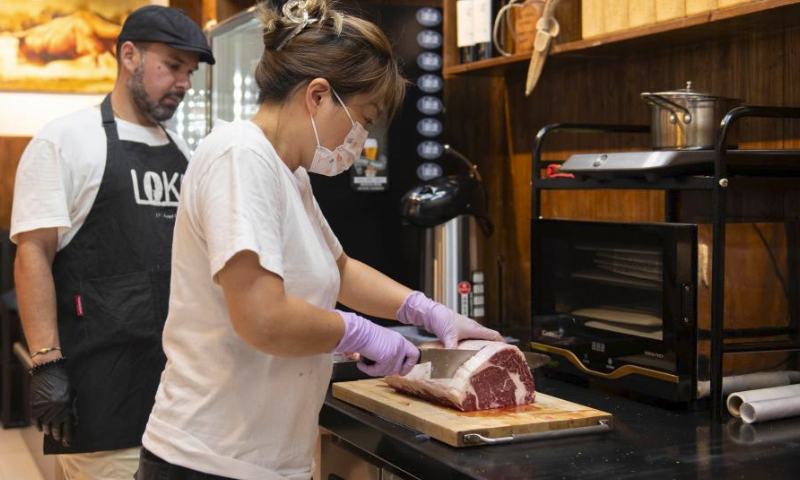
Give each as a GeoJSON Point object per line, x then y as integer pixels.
{"type": "Point", "coordinates": [11, 149]}
{"type": "Point", "coordinates": [193, 9]}
{"type": "Point", "coordinates": [761, 297]}
{"type": "Point", "coordinates": [755, 66]}
{"type": "Point", "coordinates": [791, 80]}
{"type": "Point", "coordinates": [488, 137]}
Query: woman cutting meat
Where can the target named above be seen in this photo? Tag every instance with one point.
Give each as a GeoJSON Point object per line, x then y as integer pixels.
{"type": "Point", "coordinates": [257, 271]}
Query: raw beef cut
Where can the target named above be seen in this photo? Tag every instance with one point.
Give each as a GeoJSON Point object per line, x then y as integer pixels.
{"type": "Point", "coordinates": [495, 377]}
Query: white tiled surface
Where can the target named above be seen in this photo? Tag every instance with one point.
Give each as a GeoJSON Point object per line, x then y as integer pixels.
{"type": "Point", "coordinates": [16, 462]}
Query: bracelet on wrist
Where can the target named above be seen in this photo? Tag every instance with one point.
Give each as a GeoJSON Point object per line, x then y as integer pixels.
{"type": "Point", "coordinates": [42, 351]}
{"type": "Point", "coordinates": [43, 366]}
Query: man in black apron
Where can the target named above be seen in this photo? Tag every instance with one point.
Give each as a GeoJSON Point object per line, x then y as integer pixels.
{"type": "Point", "coordinates": [97, 367]}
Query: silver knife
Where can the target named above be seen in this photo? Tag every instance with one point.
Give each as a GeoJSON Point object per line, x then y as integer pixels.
{"type": "Point", "coordinates": [444, 362]}
{"type": "Point", "coordinates": [536, 360]}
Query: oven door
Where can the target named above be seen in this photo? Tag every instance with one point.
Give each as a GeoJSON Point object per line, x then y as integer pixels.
{"type": "Point", "coordinates": [617, 302]}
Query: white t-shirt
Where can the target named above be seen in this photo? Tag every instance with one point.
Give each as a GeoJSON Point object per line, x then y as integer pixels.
{"type": "Point", "coordinates": [60, 172]}
{"type": "Point", "coordinates": [224, 407]}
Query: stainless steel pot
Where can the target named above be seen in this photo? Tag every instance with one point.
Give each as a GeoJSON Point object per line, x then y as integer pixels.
{"type": "Point", "coordinates": [686, 119]}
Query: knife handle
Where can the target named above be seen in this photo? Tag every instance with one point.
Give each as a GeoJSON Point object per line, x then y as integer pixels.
{"type": "Point", "coordinates": [366, 361]}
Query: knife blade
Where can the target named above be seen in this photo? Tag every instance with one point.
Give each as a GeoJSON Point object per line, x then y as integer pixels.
{"type": "Point", "coordinates": [444, 362]}
{"type": "Point", "coordinates": [536, 360]}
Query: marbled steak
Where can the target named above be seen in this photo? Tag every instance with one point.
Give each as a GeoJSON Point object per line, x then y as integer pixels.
{"type": "Point", "coordinates": [495, 377]}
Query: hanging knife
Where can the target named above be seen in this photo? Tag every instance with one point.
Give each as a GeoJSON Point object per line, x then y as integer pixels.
{"type": "Point", "coordinates": [547, 28]}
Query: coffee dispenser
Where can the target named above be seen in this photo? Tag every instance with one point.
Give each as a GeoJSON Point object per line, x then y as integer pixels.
{"type": "Point", "coordinates": [452, 212]}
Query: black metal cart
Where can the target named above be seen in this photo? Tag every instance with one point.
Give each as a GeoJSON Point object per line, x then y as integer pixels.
{"type": "Point", "coordinates": [723, 179]}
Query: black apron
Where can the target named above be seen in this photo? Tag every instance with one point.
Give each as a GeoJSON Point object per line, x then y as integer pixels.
{"type": "Point", "coordinates": [112, 290]}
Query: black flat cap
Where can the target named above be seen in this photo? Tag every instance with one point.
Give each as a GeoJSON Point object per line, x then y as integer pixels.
{"type": "Point", "coordinates": [171, 26]}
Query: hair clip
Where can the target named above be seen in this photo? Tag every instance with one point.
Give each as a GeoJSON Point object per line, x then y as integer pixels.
{"type": "Point", "coordinates": [302, 20]}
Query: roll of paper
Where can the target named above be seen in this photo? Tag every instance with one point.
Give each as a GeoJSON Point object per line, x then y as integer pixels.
{"type": "Point", "coordinates": [766, 410]}
{"type": "Point", "coordinates": [750, 381]}
{"type": "Point", "coordinates": [736, 400]}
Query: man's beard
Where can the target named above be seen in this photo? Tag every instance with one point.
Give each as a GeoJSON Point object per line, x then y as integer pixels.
{"type": "Point", "coordinates": [154, 111]}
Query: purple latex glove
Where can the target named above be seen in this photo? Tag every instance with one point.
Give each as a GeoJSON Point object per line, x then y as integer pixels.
{"type": "Point", "coordinates": [447, 325]}
{"type": "Point", "coordinates": [389, 350]}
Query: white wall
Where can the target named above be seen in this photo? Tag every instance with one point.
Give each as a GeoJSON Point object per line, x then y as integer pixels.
{"type": "Point", "coordinates": [24, 114]}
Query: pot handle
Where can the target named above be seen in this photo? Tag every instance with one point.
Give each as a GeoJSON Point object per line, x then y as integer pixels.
{"type": "Point", "coordinates": [669, 105]}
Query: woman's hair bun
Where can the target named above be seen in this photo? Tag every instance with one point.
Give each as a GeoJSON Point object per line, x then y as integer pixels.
{"type": "Point", "coordinates": [277, 24]}
{"type": "Point", "coordinates": [351, 53]}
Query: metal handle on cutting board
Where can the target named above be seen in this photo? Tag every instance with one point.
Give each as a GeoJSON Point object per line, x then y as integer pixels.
{"type": "Point", "coordinates": [477, 438]}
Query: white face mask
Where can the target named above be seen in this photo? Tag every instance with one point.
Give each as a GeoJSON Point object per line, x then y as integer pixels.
{"type": "Point", "coordinates": [334, 162]}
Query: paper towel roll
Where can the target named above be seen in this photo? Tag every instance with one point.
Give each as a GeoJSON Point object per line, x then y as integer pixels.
{"type": "Point", "coordinates": [750, 381]}
{"type": "Point", "coordinates": [766, 410]}
{"type": "Point", "coordinates": [735, 400]}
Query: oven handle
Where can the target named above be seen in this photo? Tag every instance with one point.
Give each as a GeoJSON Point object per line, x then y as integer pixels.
{"type": "Point", "coordinates": [601, 427]}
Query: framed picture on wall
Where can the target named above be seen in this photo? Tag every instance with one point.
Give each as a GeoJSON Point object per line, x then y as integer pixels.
{"type": "Point", "coordinates": [61, 45]}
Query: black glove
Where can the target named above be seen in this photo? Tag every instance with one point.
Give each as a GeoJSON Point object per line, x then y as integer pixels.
{"type": "Point", "coordinates": [53, 403]}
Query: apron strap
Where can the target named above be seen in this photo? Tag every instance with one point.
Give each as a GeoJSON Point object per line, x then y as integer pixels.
{"type": "Point", "coordinates": [109, 124]}
{"type": "Point", "coordinates": [169, 137]}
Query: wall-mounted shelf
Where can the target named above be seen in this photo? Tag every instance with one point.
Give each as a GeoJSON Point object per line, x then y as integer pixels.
{"type": "Point", "coordinates": [709, 26]}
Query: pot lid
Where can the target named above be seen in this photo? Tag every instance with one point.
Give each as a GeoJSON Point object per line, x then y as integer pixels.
{"type": "Point", "coordinates": [692, 94]}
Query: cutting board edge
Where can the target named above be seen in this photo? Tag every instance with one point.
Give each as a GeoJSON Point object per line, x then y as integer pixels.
{"type": "Point", "coordinates": [371, 405]}
{"type": "Point", "coordinates": [344, 391]}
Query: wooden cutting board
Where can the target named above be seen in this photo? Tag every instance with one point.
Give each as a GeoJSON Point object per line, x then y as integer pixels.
{"type": "Point", "coordinates": [449, 425]}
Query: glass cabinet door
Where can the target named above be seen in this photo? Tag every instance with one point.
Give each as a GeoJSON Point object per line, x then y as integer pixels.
{"type": "Point", "coordinates": [237, 48]}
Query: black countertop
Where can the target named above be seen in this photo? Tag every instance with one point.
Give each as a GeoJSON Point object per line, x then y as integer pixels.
{"type": "Point", "coordinates": [648, 441]}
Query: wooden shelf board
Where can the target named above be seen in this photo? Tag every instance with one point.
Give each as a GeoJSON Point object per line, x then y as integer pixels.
{"type": "Point", "coordinates": [724, 22]}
